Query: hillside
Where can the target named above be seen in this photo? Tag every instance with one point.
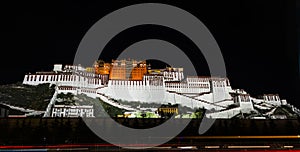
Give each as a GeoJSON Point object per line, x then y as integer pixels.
{"type": "Point", "coordinates": [28, 97]}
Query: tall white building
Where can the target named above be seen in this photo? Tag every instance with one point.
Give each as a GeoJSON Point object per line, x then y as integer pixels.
{"type": "Point", "coordinates": [72, 111]}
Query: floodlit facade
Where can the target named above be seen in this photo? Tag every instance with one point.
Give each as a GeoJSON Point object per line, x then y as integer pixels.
{"type": "Point", "coordinates": [131, 80]}
{"type": "Point", "coordinates": [72, 111]}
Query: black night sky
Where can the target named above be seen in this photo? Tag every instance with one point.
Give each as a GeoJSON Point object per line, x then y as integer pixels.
{"type": "Point", "coordinates": [258, 39]}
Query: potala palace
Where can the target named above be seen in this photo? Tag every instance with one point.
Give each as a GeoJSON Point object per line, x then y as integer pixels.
{"type": "Point", "coordinates": [135, 81]}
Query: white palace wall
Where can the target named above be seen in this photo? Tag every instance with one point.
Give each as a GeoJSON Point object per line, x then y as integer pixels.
{"type": "Point", "coordinates": [153, 94]}
{"type": "Point", "coordinates": [62, 80]}
{"type": "Point", "coordinates": [220, 89]}
{"type": "Point", "coordinates": [134, 92]}
{"type": "Point", "coordinates": [195, 92]}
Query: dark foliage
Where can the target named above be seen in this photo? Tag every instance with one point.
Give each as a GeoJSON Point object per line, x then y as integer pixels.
{"type": "Point", "coordinates": [31, 97]}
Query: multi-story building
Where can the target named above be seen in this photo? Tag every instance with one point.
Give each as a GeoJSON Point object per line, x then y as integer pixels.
{"type": "Point", "coordinates": [72, 111]}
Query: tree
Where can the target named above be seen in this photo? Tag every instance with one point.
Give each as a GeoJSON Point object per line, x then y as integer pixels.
{"type": "Point", "coordinates": [69, 96]}
{"type": "Point", "coordinates": [143, 115]}
{"type": "Point", "coordinates": [61, 96]}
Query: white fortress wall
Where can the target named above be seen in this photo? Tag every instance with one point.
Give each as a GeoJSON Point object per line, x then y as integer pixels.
{"type": "Point", "coordinates": [65, 90]}
{"type": "Point", "coordinates": [209, 97]}
{"type": "Point", "coordinates": [283, 102]}
{"type": "Point", "coordinates": [256, 101]}
{"type": "Point", "coordinates": [226, 103]}
{"type": "Point", "coordinates": [220, 89]}
{"type": "Point", "coordinates": [90, 92]}
{"type": "Point", "coordinates": [166, 86]}
{"type": "Point", "coordinates": [198, 84]}
{"type": "Point", "coordinates": [193, 85]}
{"type": "Point", "coordinates": [174, 98]}
{"type": "Point", "coordinates": [224, 114]}
{"type": "Point", "coordinates": [246, 107]}
{"type": "Point", "coordinates": [186, 88]}
{"type": "Point", "coordinates": [52, 102]}
{"type": "Point", "coordinates": [245, 103]}
{"type": "Point", "coordinates": [269, 99]}
{"type": "Point", "coordinates": [176, 75]}
{"type": "Point", "coordinates": [106, 100]}
{"type": "Point", "coordinates": [143, 92]}
{"type": "Point", "coordinates": [36, 79]}
{"type": "Point", "coordinates": [62, 80]}
{"type": "Point", "coordinates": [272, 99]}
{"type": "Point", "coordinates": [76, 90]}
{"type": "Point", "coordinates": [206, 97]}
{"type": "Point", "coordinates": [262, 107]}
{"type": "Point", "coordinates": [134, 91]}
